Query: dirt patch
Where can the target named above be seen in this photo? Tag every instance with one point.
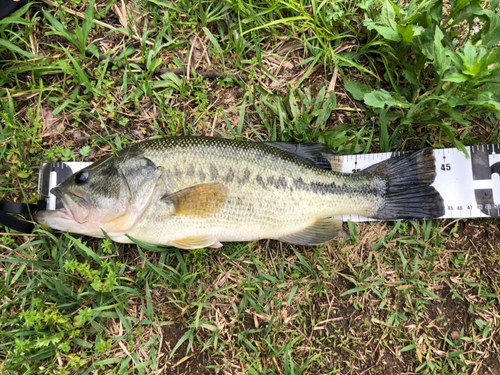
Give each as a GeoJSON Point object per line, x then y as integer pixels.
{"type": "Point", "coordinates": [491, 365]}
{"type": "Point", "coordinates": [449, 315]}
{"type": "Point", "coordinates": [477, 234]}
{"type": "Point", "coordinates": [182, 362]}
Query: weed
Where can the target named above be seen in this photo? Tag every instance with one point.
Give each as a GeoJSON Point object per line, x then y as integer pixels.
{"type": "Point", "coordinates": [441, 77]}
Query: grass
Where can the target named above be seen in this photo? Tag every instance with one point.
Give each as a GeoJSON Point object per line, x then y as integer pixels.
{"type": "Point", "coordinates": [408, 297]}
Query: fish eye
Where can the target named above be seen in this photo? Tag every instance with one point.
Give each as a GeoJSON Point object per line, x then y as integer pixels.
{"type": "Point", "coordinates": [81, 177]}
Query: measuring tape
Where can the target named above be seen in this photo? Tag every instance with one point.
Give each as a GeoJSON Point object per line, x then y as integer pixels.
{"type": "Point", "coordinates": [470, 187]}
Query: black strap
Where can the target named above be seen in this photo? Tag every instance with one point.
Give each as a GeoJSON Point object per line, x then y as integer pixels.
{"type": "Point", "coordinates": [8, 6]}
{"type": "Point", "coordinates": [15, 223]}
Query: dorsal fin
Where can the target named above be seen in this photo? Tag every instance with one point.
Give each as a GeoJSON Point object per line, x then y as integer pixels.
{"type": "Point", "coordinates": [315, 154]}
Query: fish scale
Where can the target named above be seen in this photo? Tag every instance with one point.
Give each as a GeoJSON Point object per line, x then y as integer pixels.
{"type": "Point", "coordinates": [194, 192]}
{"type": "Point", "coordinates": [252, 164]}
{"type": "Point", "coordinates": [259, 208]}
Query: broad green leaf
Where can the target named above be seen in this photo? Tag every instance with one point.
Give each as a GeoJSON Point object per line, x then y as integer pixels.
{"type": "Point", "coordinates": [108, 361]}
{"type": "Point", "coordinates": [457, 116]}
{"type": "Point", "coordinates": [425, 44]}
{"type": "Point", "coordinates": [387, 17]}
{"type": "Point", "coordinates": [488, 104]}
{"type": "Point", "coordinates": [493, 59]}
{"type": "Point", "coordinates": [469, 56]}
{"type": "Point", "coordinates": [456, 77]}
{"type": "Point", "coordinates": [339, 139]}
{"type": "Point", "coordinates": [357, 89]}
{"type": "Point", "coordinates": [300, 125]}
{"type": "Point", "coordinates": [486, 331]}
{"type": "Point", "coordinates": [441, 61]}
{"type": "Point", "coordinates": [292, 293]}
{"type": "Point", "coordinates": [456, 58]}
{"type": "Point", "coordinates": [176, 80]}
{"type": "Point", "coordinates": [410, 73]}
{"type": "Point", "coordinates": [382, 98]}
{"type": "Point", "coordinates": [455, 101]}
{"type": "Point", "coordinates": [406, 32]}
{"type": "Point", "coordinates": [418, 30]}
{"type": "Point", "coordinates": [492, 36]}
{"type": "Point", "coordinates": [464, 14]}
{"type": "Point", "coordinates": [436, 11]}
{"type": "Point", "coordinates": [23, 174]}
{"type": "Point", "coordinates": [366, 4]}
{"type": "Point", "coordinates": [388, 33]}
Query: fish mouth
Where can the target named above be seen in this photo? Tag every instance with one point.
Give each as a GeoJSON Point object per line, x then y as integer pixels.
{"type": "Point", "coordinates": [73, 216]}
{"type": "Point", "coordinates": [72, 202]}
{"type": "Point", "coordinates": [64, 211]}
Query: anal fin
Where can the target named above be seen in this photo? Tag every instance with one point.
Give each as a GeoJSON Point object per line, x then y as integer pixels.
{"type": "Point", "coordinates": [323, 230]}
{"type": "Point", "coordinates": [198, 242]}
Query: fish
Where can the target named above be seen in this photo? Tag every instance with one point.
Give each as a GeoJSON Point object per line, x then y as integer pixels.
{"type": "Point", "coordinates": [195, 192]}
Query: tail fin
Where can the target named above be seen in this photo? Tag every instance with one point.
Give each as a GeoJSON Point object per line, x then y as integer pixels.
{"type": "Point", "coordinates": [408, 194]}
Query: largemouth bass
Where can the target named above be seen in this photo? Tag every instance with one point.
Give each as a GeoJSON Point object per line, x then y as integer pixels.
{"type": "Point", "coordinates": [195, 192]}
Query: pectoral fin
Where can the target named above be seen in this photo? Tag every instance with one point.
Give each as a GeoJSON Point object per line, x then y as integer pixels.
{"type": "Point", "coordinates": [321, 231]}
{"type": "Point", "coordinates": [201, 200]}
{"type": "Point", "coordinates": [190, 243]}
